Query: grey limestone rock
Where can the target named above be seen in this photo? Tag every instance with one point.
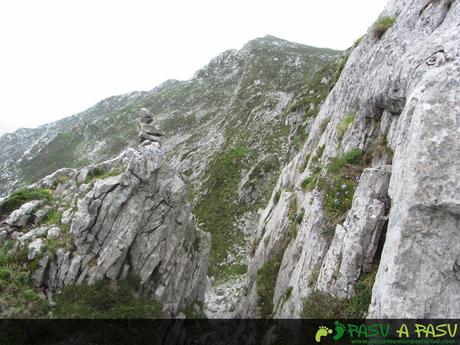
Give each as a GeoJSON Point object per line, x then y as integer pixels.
{"type": "Point", "coordinates": [34, 248]}
{"type": "Point", "coordinates": [136, 222]}
{"type": "Point", "coordinates": [403, 90]}
{"type": "Point", "coordinates": [352, 250]}
{"type": "Point", "coordinates": [21, 216]}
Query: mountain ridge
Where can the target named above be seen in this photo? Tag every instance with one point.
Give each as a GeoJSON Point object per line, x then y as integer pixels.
{"type": "Point", "coordinates": [234, 108]}
{"type": "Point", "coordinates": [328, 183]}
{"type": "Point", "coordinates": [169, 82]}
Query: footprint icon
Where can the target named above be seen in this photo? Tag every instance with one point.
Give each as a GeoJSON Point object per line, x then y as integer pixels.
{"type": "Point", "coordinates": [339, 331]}
{"type": "Point", "coordinates": [322, 332]}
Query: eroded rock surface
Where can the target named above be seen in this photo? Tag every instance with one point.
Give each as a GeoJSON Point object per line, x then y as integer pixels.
{"type": "Point", "coordinates": [127, 216]}
{"type": "Point", "coordinates": [400, 94]}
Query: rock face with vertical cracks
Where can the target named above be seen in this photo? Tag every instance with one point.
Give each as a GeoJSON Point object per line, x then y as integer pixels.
{"type": "Point", "coordinates": [136, 222]}
{"type": "Point", "coordinates": [402, 94]}
{"type": "Point", "coordinates": [140, 222]}
{"type": "Point", "coordinates": [355, 243]}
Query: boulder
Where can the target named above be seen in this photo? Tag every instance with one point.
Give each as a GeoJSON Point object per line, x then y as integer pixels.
{"type": "Point", "coordinates": [34, 248]}
{"type": "Point", "coordinates": [21, 216]}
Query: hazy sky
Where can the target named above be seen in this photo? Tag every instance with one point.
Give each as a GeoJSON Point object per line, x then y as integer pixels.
{"type": "Point", "coordinates": [59, 57]}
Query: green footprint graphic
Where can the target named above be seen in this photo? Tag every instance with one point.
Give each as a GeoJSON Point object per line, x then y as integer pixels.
{"type": "Point", "coordinates": [322, 332]}
{"type": "Point", "coordinates": [339, 331]}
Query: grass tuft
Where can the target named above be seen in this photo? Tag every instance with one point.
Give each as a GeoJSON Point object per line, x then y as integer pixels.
{"type": "Point", "coordinates": [382, 25]}
{"type": "Point", "coordinates": [106, 300]}
{"type": "Point", "coordinates": [217, 208]}
{"type": "Point", "coordinates": [195, 311]}
{"type": "Point", "coordinates": [277, 196]}
{"type": "Point", "coordinates": [339, 185]}
{"type": "Point", "coordinates": [266, 281]}
{"type": "Point", "coordinates": [321, 305]}
{"type": "Point", "coordinates": [17, 199]}
{"type": "Point", "coordinates": [344, 124]}
{"type": "Point", "coordinates": [17, 298]}
{"type": "Point", "coordinates": [53, 217]}
{"type": "Point", "coordinates": [100, 174]}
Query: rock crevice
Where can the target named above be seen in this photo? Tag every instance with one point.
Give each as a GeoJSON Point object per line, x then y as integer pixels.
{"type": "Point", "coordinates": [133, 219]}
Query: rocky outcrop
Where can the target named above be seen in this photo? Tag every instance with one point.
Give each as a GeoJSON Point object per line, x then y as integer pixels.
{"type": "Point", "coordinates": [353, 248]}
{"type": "Point", "coordinates": [399, 92]}
{"type": "Point", "coordinates": [366, 205]}
{"type": "Point", "coordinates": [127, 216]}
{"type": "Point", "coordinates": [227, 131]}
{"type": "Point", "coordinates": [21, 216]}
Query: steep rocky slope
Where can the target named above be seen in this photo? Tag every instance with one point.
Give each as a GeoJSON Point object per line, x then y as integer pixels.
{"type": "Point", "coordinates": [228, 131]}
{"type": "Point", "coordinates": [358, 176]}
{"type": "Point", "coordinates": [365, 219]}
{"type": "Point", "coordinates": [127, 218]}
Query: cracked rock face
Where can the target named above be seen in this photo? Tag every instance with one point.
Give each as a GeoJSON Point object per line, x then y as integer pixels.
{"type": "Point", "coordinates": [139, 222]}
{"type": "Point", "coordinates": [353, 248]}
{"type": "Point", "coordinates": [403, 91]}
{"type": "Point", "coordinates": [136, 222]}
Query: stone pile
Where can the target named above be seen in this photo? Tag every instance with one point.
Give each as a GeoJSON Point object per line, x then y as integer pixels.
{"type": "Point", "coordinates": [136, 222]}
{"type": "Point", "coordinates": [149, 132]}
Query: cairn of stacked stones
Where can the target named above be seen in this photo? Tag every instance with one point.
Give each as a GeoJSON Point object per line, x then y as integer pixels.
{"type": "Point", "coordinates": [149, 131]}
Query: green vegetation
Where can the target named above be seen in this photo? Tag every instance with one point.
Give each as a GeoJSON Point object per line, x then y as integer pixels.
{"type": "Point", "coordinates": [318, 88]}
{"type": "Point", "coordinates": [352, 157]}
{"type": "Point", "coordinates": [309, 183]}
{"type": "Point", "coordinates": [313, 278]}
{"type": "Point", "coordinates": [17, 298]}
{"type": "Point", "coordinates": [313, 95]}
{"type": "Point", "coordinates": [103, 299]}
{"type": "Point", "coordinates": [218, 206]}
{"type": "Point", "coordinates": [321, 305]}
{"type": "Point", "coordinates": [286, 295]}
{"type": "Point", "coordinates": [61, 152]}
{"type": "Point", "coordinates": [296, 220]}
{"type": "Point", "coordinates": [300, 216]}
{"type": "Point", "coordinates": [339, 185]}
{"type": "Point", "coordinates": [217, 209]}
{"type": "Point", "coordinates": [293, 217]}
{"type": "Point", "coordinates": [257, 175]}
{"type": "Point", "coordinates": [344, 124]}
{"type": "Point", "coordinates": [358, 41]}
{"type": "Point", "coordinates": [100, 174]}
{"type": "Point", "coordinates": [277, 196]}
{"type": "Point", "coordinates": [53, 217]}
{"type": "Point", "coordinates": [195, 311]}
{"type": "Point", "coordinates": [61, 180]}
{"type": "Point", "coordinates": [64, 241]}
{"type": "Point", "coordinates": [266, 281]}
{"type": "Point", "coordinates": [358, 305]}
{"type": "Point", "coordinates": [253, 248]}
{"type": "Point", "coordinates": [288, 292]}
{"type": "Point", "coordinates": [106, 300]}
{"type": "Point", "coordinates": [382, 25]}
{"type": "Point", "coordinates": [266, 241]}
{"type": "Point", "coordinates": [304, 164]}
{"type": "Point", "coordinates": [378, 150]}
{"type": "Point", "coordinates": [16, 199]}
